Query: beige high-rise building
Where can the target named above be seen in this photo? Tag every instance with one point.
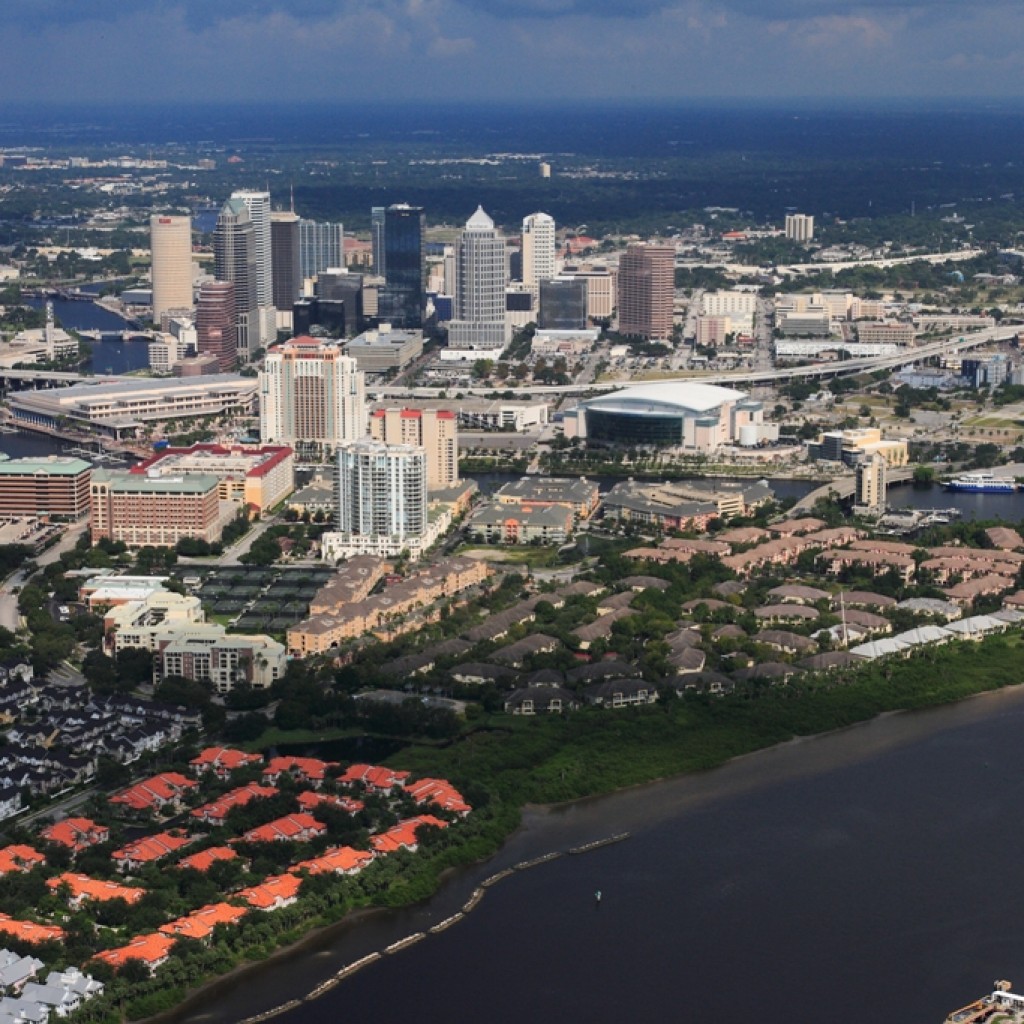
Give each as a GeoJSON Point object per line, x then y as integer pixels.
{"type": "Point", "coordinates": [799, 227]}
{"type": "Point", "coordinates": [538, 250]}
{"type": "Point", "coordinates": [433, 430]}
{"type": "Point", "coordinates": [311, 396]}
{"type": "Point", "coordinates": [871, 482]}
{"type": "Point", "coordinates": [170, 240]}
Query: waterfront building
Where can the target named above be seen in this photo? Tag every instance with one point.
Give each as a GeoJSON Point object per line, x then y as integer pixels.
{"type": "Point", "coordinates": [382, 497]}
{"type": "Point", "coordinates": [538, 250]}
{"type": "Point", "coordinates": [696, 416]}
{"type": "Point", "coordinates": [312, 396]}
{"type": "Point", "coordinates": [258, 205]}
{"type": "Point", "coordinates": [215, 324]}
{"type": "Point", "coordinates": [124, 406]}
{"type": "Point", "coordinates": [170, 240]}
{"type": "Point", "coordinates": [154, 512]}
{"type": "Point", "coordinates": [51, 486]}
{"type": "Point", "coordinates": [254, 477]}
{"type": "Point", "coordinates": [479, 321]}
{"type": "Point", "coordinates": [871, 482]}
{"type": "Point", "coordinates": [647, 291]}
{"type": "Point", "coordinates": [234, 260]}
{"type": "Point", "coordinates": [683, 504]}
{"type": "Point", "coordinates": [857, 445]}
{"type": "Point", "coordinates": [563, 304]}
{"type": "Point", "coordinates": [799, 227]}
{"type": "Point", "coordinates": [580, 495]}
{"type": "Point", "coordinates": [285, 265]}
{"type": "Point", "coordinates": [433, 430]}
{"type": "Point", "coordinates": [321, 247]}
{"type": "Point", "coordinates": [401, 300]}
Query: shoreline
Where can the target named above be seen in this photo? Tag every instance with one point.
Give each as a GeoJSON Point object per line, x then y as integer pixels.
{"type": "Point", "coordinates": [557, 824]}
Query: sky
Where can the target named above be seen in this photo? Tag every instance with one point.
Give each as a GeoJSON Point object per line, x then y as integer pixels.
{"type": "Point", "coordinates": [261, 50]}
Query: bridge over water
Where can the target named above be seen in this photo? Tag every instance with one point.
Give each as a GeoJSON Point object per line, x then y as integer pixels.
{"type": "Point", "coordinates": [844, 487]}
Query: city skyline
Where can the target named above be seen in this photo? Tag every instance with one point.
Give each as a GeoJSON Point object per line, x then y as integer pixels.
{"type": "Point", "coordinates": [259, 49]}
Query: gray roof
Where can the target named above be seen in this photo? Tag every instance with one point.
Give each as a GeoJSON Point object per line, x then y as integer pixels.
{"type": "Point", "coordinates": [612, 669]}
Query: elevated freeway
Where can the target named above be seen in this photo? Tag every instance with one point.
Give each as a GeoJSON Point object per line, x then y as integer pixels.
{"type": "Point", "coordinates": [730, 378]}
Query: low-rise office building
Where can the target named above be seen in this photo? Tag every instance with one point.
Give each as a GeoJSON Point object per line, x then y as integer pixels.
{"type": "Point", "coordinates": [385, 349]}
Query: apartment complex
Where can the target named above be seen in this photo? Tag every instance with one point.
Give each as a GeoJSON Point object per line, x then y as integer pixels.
{"type": "Point", "coordinates": [51, 486]}
{"type": "Point", "coordinates": [311, 396]}
{"type": "Point", "coordinates": [382, 500]}
{"type": "Point", "coordinates": [256, 477]}
{"type": "Point", "coordinates": [147, 512]}
{"type": "Point", "coordinates": [433, 430]}
{"type": "Point", "coordinates": [225, 660]}
{"type": "Point", "coordinates": [799, 227]}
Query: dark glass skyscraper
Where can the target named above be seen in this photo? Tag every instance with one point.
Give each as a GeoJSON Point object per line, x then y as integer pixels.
{"type": "Point", "coordinates": [402, 297]}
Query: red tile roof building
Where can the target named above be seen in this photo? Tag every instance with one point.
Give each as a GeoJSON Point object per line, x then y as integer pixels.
{"type": "Point", "coordinates": [374, 777]}
{"type": "Point", "coordinates": [152, 950]}
{"type": "Point", "coordinates": [309, 801]}
{"type": "Point", "coordinates": [273, 893]}
{"type": "Point", "coordinates": [307, 769]}
{"type": "Point", "coordinates": [19, 858]}
{"type": "Point", "coordinates": [403, 836]}
{"type": "Point", "coordinates": [148, 849]}
{"type": "Point", "coordinates": [76, 833]}
{"type": "Point", "coordinates": [298, 828]}
{"type": "Point", "coordinates": [341, 860]}
{"type": "Point", "coordinates": [216, 812]}
{"type": "Point", "coordinates": [200, 923]}
{"type": "Point", "coordinates": [439, 792]}
{"type": "Point", "coordinates": [29, 931]}
{"type": "Point", "coordinates": [205, 859]}
{"type": "Point", "coordinates": [156, 792]}
{"type": "Point", "coordinates": [222, 761]}
{"type": "Point", "coordinates": [82, 887]}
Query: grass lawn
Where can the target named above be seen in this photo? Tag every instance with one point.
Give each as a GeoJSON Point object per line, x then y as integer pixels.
{"type": "Point", "coordinates": [535, 558]}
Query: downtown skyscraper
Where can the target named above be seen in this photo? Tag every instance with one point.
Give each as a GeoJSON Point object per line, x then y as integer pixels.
{"type": "Point", "coordinates": [234, 261]}
{"type": "Point", "coordinates": [170, 240]}
{"type": "Point", "coordinates": [321, 246]}
{"type": "Point", "coordinates": [258, 205]}
{"type": "Point", "coordinates": [402, 298]}
{"type": "Point", "coordinates": [538, 250]}
{"type": "Point", "coordinates": [479, 320]}
{"type": "Point", "coordinates": [647, 291]}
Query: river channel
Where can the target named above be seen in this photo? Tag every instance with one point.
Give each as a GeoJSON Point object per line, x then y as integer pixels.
{"type": "Point", "coordinates": [872, 874]}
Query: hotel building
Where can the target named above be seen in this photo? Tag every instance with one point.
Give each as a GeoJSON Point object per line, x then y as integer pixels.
{"type": "Point", "coordinates": [52, 486]}
{"type": "Point", "coordinates": [147, 512]}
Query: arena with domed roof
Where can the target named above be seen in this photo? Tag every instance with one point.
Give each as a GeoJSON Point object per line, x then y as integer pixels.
{"type": "Point", "coordinates": [699, 417]}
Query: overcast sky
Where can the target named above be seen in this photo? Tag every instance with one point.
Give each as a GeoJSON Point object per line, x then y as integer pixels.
{"type": "Point", "coordinates": [86, 50]}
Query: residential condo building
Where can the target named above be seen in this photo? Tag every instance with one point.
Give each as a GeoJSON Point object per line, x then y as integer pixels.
{"type": "Point", "coordinates": [433, 430]}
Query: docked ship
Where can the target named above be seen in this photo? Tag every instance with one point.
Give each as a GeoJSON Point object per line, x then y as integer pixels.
{"type": "Point", "coordinates": [981, 483]}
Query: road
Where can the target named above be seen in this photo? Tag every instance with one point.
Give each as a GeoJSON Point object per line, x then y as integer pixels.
{"type": "Point", "coordinates": [9, 618]}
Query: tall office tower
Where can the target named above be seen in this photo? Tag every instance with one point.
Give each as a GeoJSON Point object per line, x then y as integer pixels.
{"type": "Point", "coordinates": [480, 320]}
{"type": "Point", "coordinates": [321, 246]}
{"type": "Point", "coordinates": [799, 227]}
{"type": "Point", "coordinates": [234, 260]}
{"type": "Point", "coordinates": [647, 291]}
{"type": "Point", "coordinates": [382, 492]}
{"type": "Point", "coordinates": [170, 240]}
{"type": "Point", "coordinates": [377, 240]}
{"type": "Point", "coordinates": [215, 324]}
{"type": "Point", "coordinates": [401, 299]}
{"type": "Point", "coordinates": [563, 304]}
{"type": "Point", "coordinates": [311, 397]}
{"type": "Point", "coordinates": [258, 205]}
{"type": "Point", "coordinates": [433, 430]}
{"type": "Point", "coordinates": [345, 287]}
{"type": "Point", "coordinates": [286, 272]}
{"type": "Point", "coordinates": [538, 252]}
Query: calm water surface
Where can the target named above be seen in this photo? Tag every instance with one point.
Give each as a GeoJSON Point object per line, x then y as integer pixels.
{"type": "Point", "coordinates": [870, 875]}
